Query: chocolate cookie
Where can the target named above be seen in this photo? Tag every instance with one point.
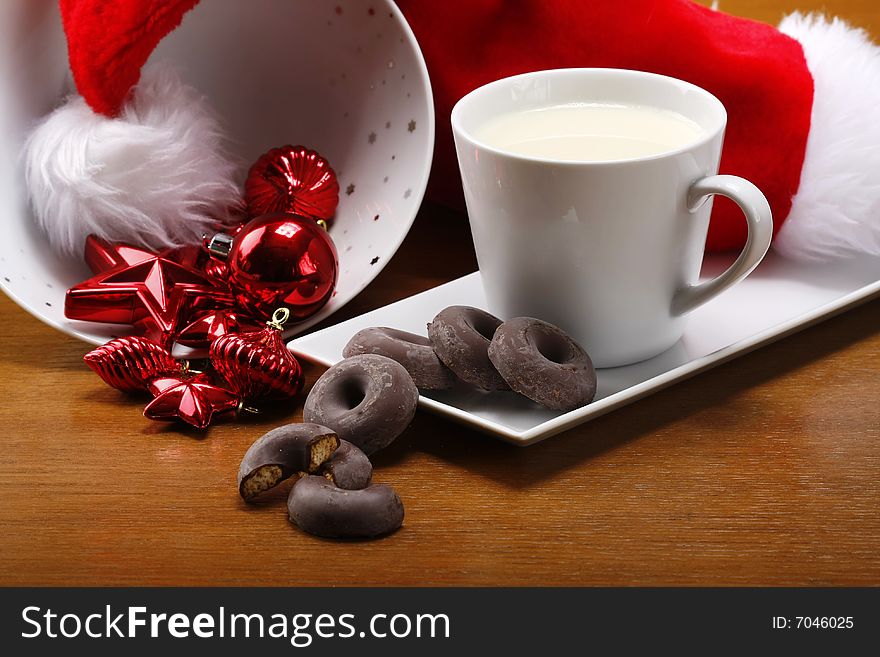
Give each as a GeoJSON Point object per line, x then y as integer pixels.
{"type": "Point", "coordinates": [348, 468]}
{"type": "Point", "coordinates": [412, 351]}
{"type": "Point", "coordinates": [543, 363]}
{"type": "Point", "coordinates": [281, 453]}
{"type": "Point", "coordinates": [460, 336]}
{"type": "Point", "coordinates": [318, 507]}
{"type": "Point", "coordinates": [367, 400]}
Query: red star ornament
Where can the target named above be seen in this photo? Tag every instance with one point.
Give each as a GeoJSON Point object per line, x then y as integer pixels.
{"type": "Point", "coordinates": [145, 289]}
{"type": "Point", "coordinates": [101, 255]}
{"type": "Point", "coordinates": [207, 328]}
{"type": "Point", "coordinates": [197, 257]}
{"type": "Point", "coordinates": [195, 400]}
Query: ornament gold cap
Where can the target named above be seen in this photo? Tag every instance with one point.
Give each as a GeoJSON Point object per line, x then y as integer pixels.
{"type": "Point", "coordinates": [279, 317]}
{"type": "Point", "coordinates": [244, 408]}
{"type": "Point", "coordinates": [187, 369]}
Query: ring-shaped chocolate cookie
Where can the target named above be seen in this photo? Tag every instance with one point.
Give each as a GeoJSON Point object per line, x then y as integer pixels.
{"type": "Point", "coordinates": [367, 400]}
{"type": "Point", "coordinates": [318, 507]}
{"type": "Point", "coordinates": [460, 336]}
{"type": "Point", "coordinates": [414, 352]}
{"type": "Point", "coordinates": [542, 362]}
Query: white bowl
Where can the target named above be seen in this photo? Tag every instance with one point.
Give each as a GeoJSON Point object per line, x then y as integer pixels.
{"type": "Point", "coordinates": [345, 78]}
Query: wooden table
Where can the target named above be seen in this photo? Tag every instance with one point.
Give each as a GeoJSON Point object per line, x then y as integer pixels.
{"type": "Point", "coordinates": [763, 471]}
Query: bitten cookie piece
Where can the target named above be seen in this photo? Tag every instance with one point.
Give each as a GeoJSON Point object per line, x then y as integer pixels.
{"type": "Point", "coordinates": [348, 468]}
{"type": "Point", "coordinates": [283, 452]}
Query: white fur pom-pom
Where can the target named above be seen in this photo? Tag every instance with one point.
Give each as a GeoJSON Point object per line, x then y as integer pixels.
{"type": "Point", "coordinates": [836, 211]}
{"type": "Point", "coordinates": [155, 176]}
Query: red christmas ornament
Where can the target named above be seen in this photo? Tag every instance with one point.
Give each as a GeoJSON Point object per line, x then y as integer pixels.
{"type": "Point", "coordinates": [147, 290]}
{"type": "Point", "coordinates": [292, 179]}
{"type": "Point", "coordinates": [207, 328]}
{"type": "Point", "coordinates": [193, 399]}
{"type": "Point", "coordinates": [196, 257]}
{"type": "Point", "coordinates": [215, 268]}
{"type": "Point", "coordinates": [279, 260]}
{"type": "Point", "coordinates": [101, 255]}
{"type": "Point", "coordinates": [258, 365]}
{"type": "Point", "coordinates": [130, 363]}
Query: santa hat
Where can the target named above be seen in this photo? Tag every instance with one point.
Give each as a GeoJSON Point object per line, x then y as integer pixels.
{"type": "Point", "coordinates": [801, 99]}
{"type": "Point", "coordinates": [135, 159]}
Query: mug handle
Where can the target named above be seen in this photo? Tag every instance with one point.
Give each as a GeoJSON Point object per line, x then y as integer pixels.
{"type": "Point", "coordinates": [760, 221]}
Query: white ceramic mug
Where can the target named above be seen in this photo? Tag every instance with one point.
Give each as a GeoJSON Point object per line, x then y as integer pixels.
{"type": "Point", "coordinates": [608, 251]}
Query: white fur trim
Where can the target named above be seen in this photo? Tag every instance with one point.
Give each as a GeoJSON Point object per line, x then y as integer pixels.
{"type": "Point", "coordinates": [156, 176]}
{"type": "Point", "coordinates": [836, 211]}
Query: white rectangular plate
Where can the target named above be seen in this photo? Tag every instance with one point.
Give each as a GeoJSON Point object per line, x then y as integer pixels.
{"type": "Point", "coordinates": [779, 298]}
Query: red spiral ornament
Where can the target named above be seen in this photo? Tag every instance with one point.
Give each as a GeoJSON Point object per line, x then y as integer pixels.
{"type": "Point", "coordinates": [258, 365]}
{"type": "Point", "coordinates": [292, 179]}
{"type": "Point", "coordinates": [130, 363]}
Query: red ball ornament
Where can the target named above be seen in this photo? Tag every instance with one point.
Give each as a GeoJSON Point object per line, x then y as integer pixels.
{"type": "Point", "coordinates": [131, 363]}
{"type": "Point", "coordinates": [258, 365]}
{"type": "Point", "coordinates": [292, 179]}
{"type": "Point", "coordinates": [279, 260]}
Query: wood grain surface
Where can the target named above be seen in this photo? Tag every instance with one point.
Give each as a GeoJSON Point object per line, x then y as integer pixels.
{"type": "Point", "coordinates": [763, 471]}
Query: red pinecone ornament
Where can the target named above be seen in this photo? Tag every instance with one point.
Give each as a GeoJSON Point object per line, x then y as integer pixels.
{"type": "Point", "coordinates": [130, 363]}
{"type": "Point", "coordinates": [258, 365]}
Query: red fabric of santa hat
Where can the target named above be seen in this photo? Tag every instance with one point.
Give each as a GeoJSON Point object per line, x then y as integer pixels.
{"type": "Point", "coordinates": [109, 42]}
{"type": "Point", "coordinates": [801, 100]}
